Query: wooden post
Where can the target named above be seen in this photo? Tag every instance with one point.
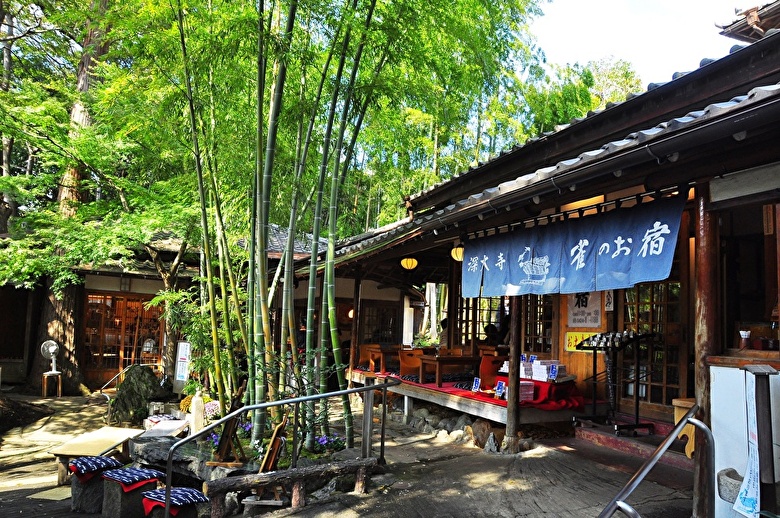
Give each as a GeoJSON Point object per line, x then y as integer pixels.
{"type": "Point", "coordinates": [353, 342]}
{"type": "Point", "coordinates": [513, 395]}
{"type": "Point", "coordinates": [706, 327]}
{"type": "Point", "coordinates": [298, 499]}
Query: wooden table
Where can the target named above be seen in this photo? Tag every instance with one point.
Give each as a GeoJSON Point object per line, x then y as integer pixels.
{"type": "Point", "coordinates": [439, 361]}
{"type": "Point", "coordinates": [383, 352]}
{"type": "Point", "coordinates": [166, 427]}
{"type": "Point", "coordinates": [97, 442]}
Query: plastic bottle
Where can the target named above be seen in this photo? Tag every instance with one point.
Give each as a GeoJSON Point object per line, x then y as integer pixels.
{"type": "Point", "coordinates": [197, 413]}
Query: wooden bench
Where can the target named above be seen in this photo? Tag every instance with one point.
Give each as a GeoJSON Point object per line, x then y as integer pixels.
{"type": "Point", "coordinates": [98, 442]}
{"type": "Point", "coordinates": [217, 489]}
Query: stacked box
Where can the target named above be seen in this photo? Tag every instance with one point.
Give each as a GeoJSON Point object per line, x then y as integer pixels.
{"type": "Point", "coordinates": [526, 391]}
{"type": "Point", "coordinates": [542, 368]}
{"type": "Point", "coordinates": [526, 370]}
{"type": "Point", "coordinates": [504, 369]}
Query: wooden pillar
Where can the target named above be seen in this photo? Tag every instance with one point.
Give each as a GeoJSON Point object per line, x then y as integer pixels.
{"type": "Point", "coordinates": [353, 342]}
{"type": "Point", "coordinates": [777, 261]}
{"type": "Point", "coordinates": [454, 333]}
{"type": "Point", "coordinates": [512, 395]}
{"type": "Point", "coordinates": [706, 339]}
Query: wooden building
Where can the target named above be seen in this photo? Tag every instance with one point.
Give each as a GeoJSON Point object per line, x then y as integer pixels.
{"type": "Point", "coordinates": [706, 143]}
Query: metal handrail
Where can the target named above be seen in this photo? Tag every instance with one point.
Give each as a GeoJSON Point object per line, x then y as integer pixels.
{"type": "Point", "coordinates": [367, 409]}
{"type": "Point", "coordinates": [618, 503]}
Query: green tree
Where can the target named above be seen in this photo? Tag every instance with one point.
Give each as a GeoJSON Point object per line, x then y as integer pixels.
{"type": "Point", "coordinates": [613, 81]}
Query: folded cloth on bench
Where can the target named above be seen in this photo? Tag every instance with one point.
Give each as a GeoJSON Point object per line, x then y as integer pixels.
{"type": "Point", "coordinates": [87, 467]}
{"type": "Point", "coordinates": [180, 496]}
{"type": "Point", "coordinates": [131, 478]}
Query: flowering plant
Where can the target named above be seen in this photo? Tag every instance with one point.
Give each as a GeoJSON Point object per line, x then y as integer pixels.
{"type": "Point", "coordinates": [211, 411]}
{"type": "Point", "coordinates": [213, 439]}
{"type": "Point", "coordinates": [245, 429]}
{"type": "Point", "coordinates": [184, 404]}
{"type": "Point", "coordinates": [329, 442]}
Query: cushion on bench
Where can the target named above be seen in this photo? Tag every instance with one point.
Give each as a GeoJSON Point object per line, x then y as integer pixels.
{"type": "Point", "coordinates": [131, 478]}
{"type": "Point", "coordinates": [87, 467]}
{"type": "Point", "coordinates": [180, 496]}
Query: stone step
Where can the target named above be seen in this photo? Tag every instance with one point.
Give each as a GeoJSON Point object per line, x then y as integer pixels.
{"type": "Point", "coordinates": [642, 446]}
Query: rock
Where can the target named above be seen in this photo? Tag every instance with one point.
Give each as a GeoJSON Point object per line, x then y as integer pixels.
{"type": "Point", "coordinates": [327, 490]}
{"type": "Point", "coordinates": [382, 479]}
{"type": "Point", "coordinates": [462, 422]}
{"type": "Point", "coordinates": [448, 423]}
{"type": "Point", "coordinates": [421, 412]}
{"type": "Point", "coordinates": [442, 435]}
{"type": "Point", "coordinates": [119, 503]}
{"type": "Point", "coordinates": [491, 445]}
{"type": "Point", "coordinates": [137, 390]}
{"type": "Point", "coordinates": [457, 436]}
{"type": "Point", "coordinates": [481, 430]}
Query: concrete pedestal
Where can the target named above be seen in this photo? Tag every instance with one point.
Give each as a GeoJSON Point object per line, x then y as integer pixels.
{"type": "Point", "coordinates": [86, 497]}
{"type": "Point", "coordinates": [117, 503]}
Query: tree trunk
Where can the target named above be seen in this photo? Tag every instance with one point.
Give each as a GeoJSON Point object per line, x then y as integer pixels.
{"type": "Point", "coordinates": [94, 46]}
{"type": "Point", "coordinates": [59, 313]}
{"type": "Point", "coordinates": [7, 204]}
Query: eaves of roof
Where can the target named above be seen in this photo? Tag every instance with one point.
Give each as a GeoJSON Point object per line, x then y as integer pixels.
{"type": "Point", "coordinates": [754, 23]}
{"type": "Point", "coordinates": [757, 108]}
{"type": "Point", "coordinates": [135, 268]}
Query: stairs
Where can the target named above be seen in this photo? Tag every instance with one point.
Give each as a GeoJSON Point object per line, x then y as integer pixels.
{"type": "Point", "coordinates": [642, 445]}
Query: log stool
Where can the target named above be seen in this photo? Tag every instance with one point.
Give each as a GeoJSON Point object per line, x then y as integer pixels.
{"type": "Point", "coordinates": [185, 503]}
{"type": "Point", "coordinates": [123, 488]}
{"type": "Point", "coordinates": [86, 487]}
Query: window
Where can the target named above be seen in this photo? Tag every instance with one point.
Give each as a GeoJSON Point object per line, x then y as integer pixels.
{"type": "Point", "coordinates": [476, 313]}
{"type": "Point", "coordinates": [654, 364]}
{"type": "Point", "coordinates": [380, 323]}
{"type": "Point", "coordinates": [538, 322]}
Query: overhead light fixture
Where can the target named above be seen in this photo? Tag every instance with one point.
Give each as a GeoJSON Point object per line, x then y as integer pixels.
{"type": "Point", "coordinates": [457, 252]}
{"type": "Point", "coordinates": [409, 263]}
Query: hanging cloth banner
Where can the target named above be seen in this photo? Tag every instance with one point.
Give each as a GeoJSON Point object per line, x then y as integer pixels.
{"type": "Point", "coordinates": [609, 251]}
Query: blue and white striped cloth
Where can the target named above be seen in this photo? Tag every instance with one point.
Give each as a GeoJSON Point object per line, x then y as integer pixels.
{"type": "Point", "coordinates": [91, 464]}
{"type": "Point", "coordinates": [130, 476]}
{"type": "Point", "coordinates": [179, 496]}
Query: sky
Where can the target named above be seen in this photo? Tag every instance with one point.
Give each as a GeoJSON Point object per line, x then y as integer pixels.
{"type": "Point", "coordinates": [658, 37]}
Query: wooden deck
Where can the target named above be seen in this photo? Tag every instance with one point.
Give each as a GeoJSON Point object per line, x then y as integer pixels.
{"type": "Point", "coordinates": [495, 413]}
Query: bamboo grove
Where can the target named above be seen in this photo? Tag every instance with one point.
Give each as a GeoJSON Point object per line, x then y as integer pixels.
{"type": "Point", "coordinates": [213, 122]}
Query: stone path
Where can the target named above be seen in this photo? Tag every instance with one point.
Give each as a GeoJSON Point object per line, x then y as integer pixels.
{"type": "Point", "coordinates": [430, 474]}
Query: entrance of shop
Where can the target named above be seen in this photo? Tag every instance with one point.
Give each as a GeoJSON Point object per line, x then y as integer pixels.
{"type": "Point", "coordinates": [119, 331]}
